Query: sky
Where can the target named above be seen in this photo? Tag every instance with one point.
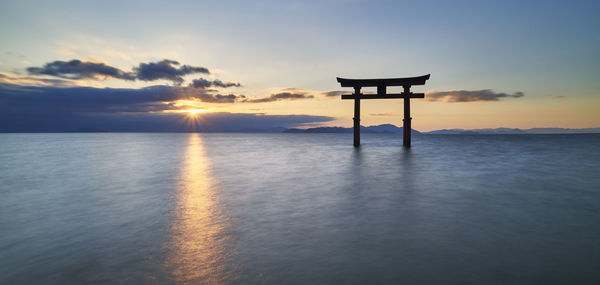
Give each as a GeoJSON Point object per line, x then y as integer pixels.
{"type": "Point", "coordinates": [238, 65]}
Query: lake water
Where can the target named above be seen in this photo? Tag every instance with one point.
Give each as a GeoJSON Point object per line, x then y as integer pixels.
{"type": "Point", "coordinates": [138, 208]}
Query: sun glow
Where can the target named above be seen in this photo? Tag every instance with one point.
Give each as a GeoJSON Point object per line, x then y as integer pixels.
{"type": "Point", "coordinates": [192, 118]}
{"type": "Point", "coordinates": [195, 111]}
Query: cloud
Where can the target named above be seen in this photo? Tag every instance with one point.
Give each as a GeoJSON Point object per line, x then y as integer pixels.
{"type": "Point", "coordinates": [116, 53]}
{"type": "Point", "coordinates": [336, 93]}
{"type": "Point", "coordinates": [63, 95]}
{"type": "Point", "coordinates": [166, 69]}
{"type": "Point", "coordinates": [559, 97]}
{"type": "Point", "coordinates": [203, 83]}
{"type": "Point", "coordinates": [48, 108]}
{"type": "Point", "coordinates": [153, 122]}
{"type": "Point", "coordinates": [77, 69]}
{"type": "Point", "coordinates": [292, 94]}
{"type": "Point", "coordinates": [468, 95]}
{"type": "Point", "coordinates": [50, 99]}
{"type": "Point", "coordinates": [10, 79]}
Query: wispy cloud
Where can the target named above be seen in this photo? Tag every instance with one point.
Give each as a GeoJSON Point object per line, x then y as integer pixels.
{"type": "Point", "coordinates": [559, 97]}
{"type": "Point", "coordinates": [468, 95]}
{"type": "Point", "coordinates": [7, 79]}
{"type": "Point", "coordinates": [336, 93]}
{"type": "Point", "coordinates": [203, 83]}
{"type": "Point", "coordinates": [292, 94]}
{"type": "Point", "coordinates": [67, 49]}
{"type": "Point", "coordinates": [116, 53]}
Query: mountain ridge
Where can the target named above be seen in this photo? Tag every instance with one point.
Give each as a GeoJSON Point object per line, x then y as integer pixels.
{"type": "Point", "coordinates": [390, 128]}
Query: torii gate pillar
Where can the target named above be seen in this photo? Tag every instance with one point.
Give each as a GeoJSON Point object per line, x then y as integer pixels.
{"type": "Point", "coordinates": [356, 116]}
{"type": "Point", "coordinates": [406, 127]}
{"type": "Point", "coordinates": [381, 85]}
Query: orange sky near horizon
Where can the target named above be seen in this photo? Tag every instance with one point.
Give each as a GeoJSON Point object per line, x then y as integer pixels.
{"type": "Point", "coordinates": [545, 112]}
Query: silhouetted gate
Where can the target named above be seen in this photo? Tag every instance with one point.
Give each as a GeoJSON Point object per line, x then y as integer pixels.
{"type": "Point", "coordinates": [382, 85]}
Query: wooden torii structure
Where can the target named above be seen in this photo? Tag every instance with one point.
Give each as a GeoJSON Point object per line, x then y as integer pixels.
{"type": "Point", "coordinates": [381, 85]}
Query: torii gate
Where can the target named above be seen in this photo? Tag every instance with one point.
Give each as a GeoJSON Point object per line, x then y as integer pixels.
{"type": "Point", "coordinates": [381, 85]}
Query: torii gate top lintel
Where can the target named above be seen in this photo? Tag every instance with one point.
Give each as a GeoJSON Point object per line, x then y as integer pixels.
{"type": "Point", "coordinates": [382, 85]}
{"type": "Point", "coordinates": [406, 81]}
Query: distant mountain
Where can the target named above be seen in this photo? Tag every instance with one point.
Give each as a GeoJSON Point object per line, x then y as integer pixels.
{"type": "Point", "coordinates": [320, 130]}
{"type": "Point", "coordinates": [379, 129]}
{"type": "Point", "coordinates": [391, 129]}
{"type": "Point", "coordinates": [386, 129]}
{"type": "Point", "coordinates": [562, 131]}
{"type": "Point", "coordinates": [501, 131]}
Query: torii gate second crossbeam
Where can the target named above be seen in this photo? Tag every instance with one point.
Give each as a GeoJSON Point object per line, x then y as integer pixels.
{"type": "Point", "coordinates": [381, 85]}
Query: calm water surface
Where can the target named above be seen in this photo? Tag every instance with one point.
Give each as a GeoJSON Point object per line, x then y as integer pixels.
{"type": "Point", "coordinates": [121, 208]}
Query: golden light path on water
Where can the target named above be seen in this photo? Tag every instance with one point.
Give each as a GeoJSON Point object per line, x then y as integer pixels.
{"type": "Point", "coordinates": [197, 254]}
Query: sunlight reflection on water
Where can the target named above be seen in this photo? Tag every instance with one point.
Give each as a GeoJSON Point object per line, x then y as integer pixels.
{"type": "Point", "coordinates": [197, 233]}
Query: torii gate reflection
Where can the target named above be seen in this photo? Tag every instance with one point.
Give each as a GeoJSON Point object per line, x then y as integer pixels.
{"type": "Point", "coordinates": [382, 85]}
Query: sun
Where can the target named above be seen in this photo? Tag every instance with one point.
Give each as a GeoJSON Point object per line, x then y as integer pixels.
{"type": "Point", "coordinates": [192, 118]}
{"type": "Point", "coordinates": [195, 111]}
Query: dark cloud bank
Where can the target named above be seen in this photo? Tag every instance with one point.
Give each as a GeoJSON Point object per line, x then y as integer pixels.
{"type": "Point", "coordinates": [57, 109]}
{"type": "Point", "coordinates": [153, 122]}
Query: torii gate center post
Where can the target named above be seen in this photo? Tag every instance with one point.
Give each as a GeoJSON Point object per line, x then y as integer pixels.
{"type": "Point", "coordinates": [382, 85]}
